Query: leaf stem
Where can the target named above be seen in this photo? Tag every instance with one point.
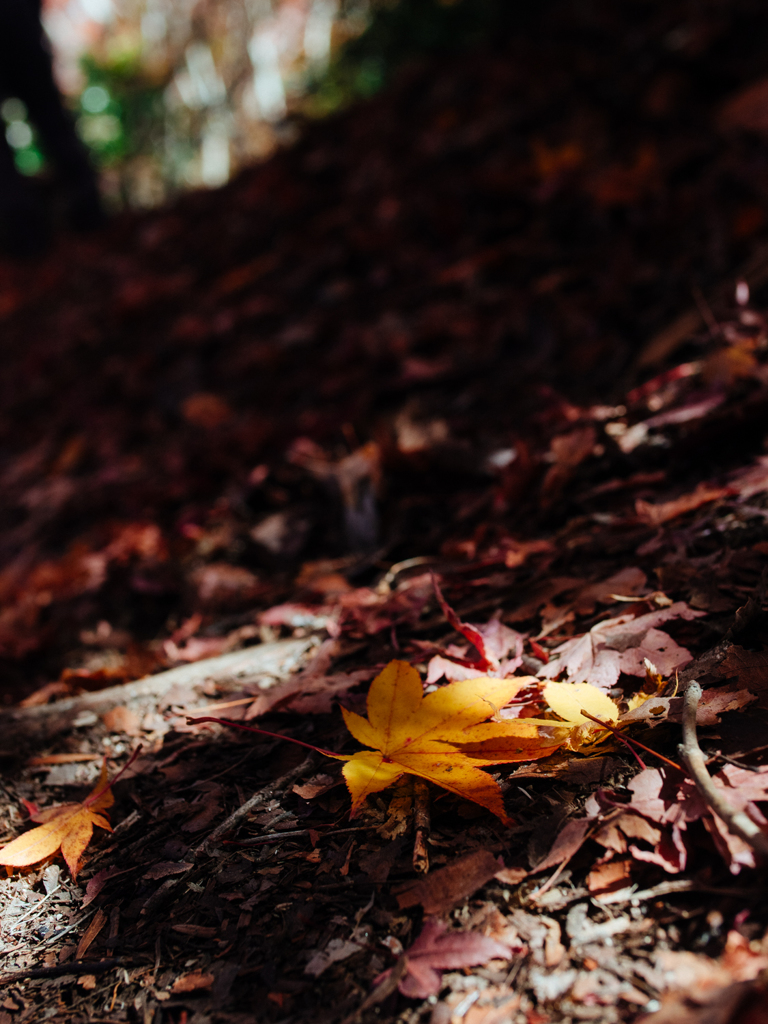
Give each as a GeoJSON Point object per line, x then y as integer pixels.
{"type": "Point", "coordinates": [627, 740]}
{"type": "Point", "coordinates": [98, 793]}
{"type": "Point", "coordinates": [274, 735]}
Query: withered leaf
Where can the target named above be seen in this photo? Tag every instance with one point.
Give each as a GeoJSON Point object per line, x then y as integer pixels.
{"type": "Point", "coordinates": [441, 890]}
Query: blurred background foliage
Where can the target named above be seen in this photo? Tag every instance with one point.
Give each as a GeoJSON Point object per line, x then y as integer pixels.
{"type": "Point", "coordinates": [178, 94]}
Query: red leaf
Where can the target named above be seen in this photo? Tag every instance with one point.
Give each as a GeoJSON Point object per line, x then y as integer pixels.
{"type": "Point", "coordinates": [476, 638]}
{"type": "Point", "coordinates": [436, 949]}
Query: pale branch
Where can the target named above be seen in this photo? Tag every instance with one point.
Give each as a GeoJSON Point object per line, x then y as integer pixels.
{"type": "Point", "coordinates": [261, 665]}
{"type": "Point", "coordinates": [737, 822]}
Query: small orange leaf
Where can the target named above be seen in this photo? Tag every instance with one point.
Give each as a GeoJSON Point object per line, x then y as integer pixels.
{"type": "Point", "coordinates": [442, 737]}
{"type": "Point", "coordinates": [68, 827]}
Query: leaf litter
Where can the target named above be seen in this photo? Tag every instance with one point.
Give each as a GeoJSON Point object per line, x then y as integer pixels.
{"type": "Point", "coordinates": [576, 532]}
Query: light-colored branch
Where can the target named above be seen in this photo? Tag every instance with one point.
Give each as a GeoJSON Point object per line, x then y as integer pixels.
{"type": "Point", "coordinates": [737, 822]}
{"type": "Point", "coordinates": [265, 664]}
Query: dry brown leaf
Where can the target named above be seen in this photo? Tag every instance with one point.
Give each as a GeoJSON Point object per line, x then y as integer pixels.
{"type": "Point", "coordinates": [437, 948]}
{"type": "Point", "coordinates": [97, 923]}
{"type": "Point", "coordinates": [192, 982]}
{"type": "Point", "coordinates": [441, 890]}
{"type": "Point", "coordinates": [655, 515]}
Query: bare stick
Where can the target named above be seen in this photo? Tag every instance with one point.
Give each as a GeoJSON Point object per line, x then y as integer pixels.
{"type": "Point", "coordinates": [737, 822]}
{"type": "Point", "coordinates": [252, 665]}
{"type": "Point", "coordinates": [421, 823]}
{"type": "Point", "coordinates": [260, 797]}
{"type": "Point", "coordinates": [205, 847]}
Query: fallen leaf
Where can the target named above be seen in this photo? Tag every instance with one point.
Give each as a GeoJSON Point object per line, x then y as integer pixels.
{"type": "Point", "coordinates": [337, 949]}
{"type": "Point", "coordinates": [613, 874]}
{"type": "Point", "coordinates": [201, 931]}
{"type": "Point", "coordinates": [655, 515]}
{"type": "Point", "coordinates": [441, 890]}
{"type": "Point", "coordinates": [750, 668]}
{"type": "Point", "coordinates": [65, 826]}
{"type": "Point", "coordinates": [164, 868]}
{"type": "Point", "coordinates": [315, 786]}
{"type": "Point", "coordinates": [568, 842]}
{"type": "Point", "coordinates": [626, 582]}
{"type": "Point", "coordinates": [494, 640]}
{"type": "Point", "coordinates": [192, 982]}
{"type": "Point", "coordinates": [566, 453]}
{"type": "Point", "coordinates": [91, 932]}
{"type": "Point", "coordinates": [99, 880]}
{"type": "Point", "coordinates": [441, 667]}
{"type": "Point", "coordinates": [475, 637]}
{"type": "Point", "coordinates": [568, 700]}
{"type": "Point", "coordinates": [439, 736]}
{"type": "Point", "coordinates": [664, 804]}
{"type": "Point", "coordinates": [313, 689]}
{"type": "Point", "coordinates": [621, 644]}
{"type": "Point", "coordinates": [714, 702]}
{"type": "Point", "coordinates": [205, 808]}
{"type": "Point", "coordinates": [436, 949]}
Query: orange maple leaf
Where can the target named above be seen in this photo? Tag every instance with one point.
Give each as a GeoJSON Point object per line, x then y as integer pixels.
{"type": "Point", "coordinates": [443, 737]}
{"type": "Point", "coordinates": [65, 826]}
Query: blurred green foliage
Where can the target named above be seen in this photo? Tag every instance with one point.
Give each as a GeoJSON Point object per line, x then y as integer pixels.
{"type": "Point", "coordinates": [121, 112]}
{"type": "Point", "coordinates": [21, 137]}
{"type": "Point", "coordinates": [398, 32]}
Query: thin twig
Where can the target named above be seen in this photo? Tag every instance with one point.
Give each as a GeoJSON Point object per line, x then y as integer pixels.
{"type": "Point", "coordinates": [275, 660]}
{"type": "Point", "coordinates": [421, 824]}
{"type": "Point", "coordinates": [206, 846]}
{"type": "Point", "coordinates": [69, 928]}
{"type": "Point", "coordinates": [297, 833]}
{"type": "Point", "coordinates": [637, 743]}
{"type": "Point", "coordinates": [737, 822]}
{"type": "Point", "coordinates": [72, 967]}
{"type": "Point", "coordinates": [258, 798]}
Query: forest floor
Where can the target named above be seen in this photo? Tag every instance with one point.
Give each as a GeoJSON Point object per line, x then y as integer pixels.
{"type": "Point", "coordinates": [473, 377]}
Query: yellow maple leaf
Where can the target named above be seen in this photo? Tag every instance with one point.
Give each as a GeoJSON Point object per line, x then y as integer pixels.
{"type": "Point", "coordinates": [568, 700]}
{"type": "Point", "coordinates": [443, 737]}
{"type": "Point", "coordinates": [65, 826]}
